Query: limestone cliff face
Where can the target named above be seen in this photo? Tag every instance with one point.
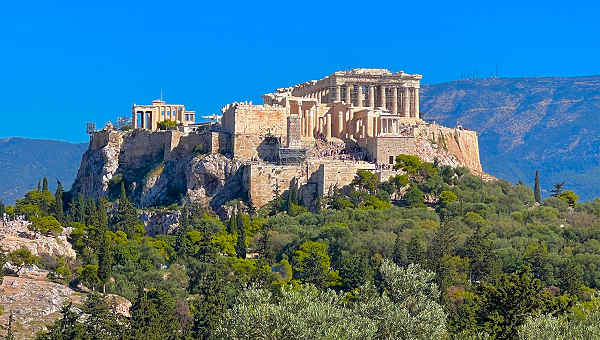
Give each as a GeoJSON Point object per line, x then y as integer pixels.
{"type": "Point", "coordinates": [157, 168]}
{"type": "Point", "coordinates": [454, 147]}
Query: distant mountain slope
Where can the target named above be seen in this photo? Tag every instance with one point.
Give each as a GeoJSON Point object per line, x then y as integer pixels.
{"type": "Point", "coordinates": [550, 124]}
{"type": "Point", "coordinates": [24, 161]}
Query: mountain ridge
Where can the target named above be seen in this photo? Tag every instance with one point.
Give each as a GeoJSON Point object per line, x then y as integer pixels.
{"type": "Point", "coordinates": [526, 124]}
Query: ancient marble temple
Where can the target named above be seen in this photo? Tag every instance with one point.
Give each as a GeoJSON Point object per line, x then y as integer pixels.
{"type": "Point", "coordinates": [352, 104]}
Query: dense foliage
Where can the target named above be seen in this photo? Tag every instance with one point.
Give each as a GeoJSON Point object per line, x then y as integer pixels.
{"type": "Point", "coordinates": [433, 253]}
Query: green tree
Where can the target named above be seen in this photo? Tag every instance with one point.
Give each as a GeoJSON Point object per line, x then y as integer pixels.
{"type": "Point", "coordinates": [311, 263]}
{"type": "Point", "coordinates": [366, 180]}
{"type": "Point", "coordinates": [557, 189]}
{"type": "Point", "coordinates": [537, 191]}
{"type": "Point", "coordinates": [105, 262]}
{"type": "Point", "coordinates": [479, 249]}
{"type": "Point", "coordinates": [399, 254]}
{"type": "Point", "coordinates": [58, 205]}
{"type": "Point", "coordinates": [89, 276]}
{"type": "Point", "coordinates": [127, 218]}
{"type": "Point", "coordinates": [414, 197]}
{"type": "Point", "coordinates": [21, 258]}
{"type": "Point", "coordinates": [415, 251]}
{"type": "Point", "coordinates": [65, 328]}
{"type": "Point", "coordinates": [9, 334]}
{"type": "Point", "coordinates": [153, 315]}
{"type": "Point", "coordinates": [45, 225]}
{"type": "Point", "coordinates": [355, 271]}
{"type": "Point", "coordinates": [240, 248]}
{"type": "Point", "coordinates": [569, 197]}
{"type": "Point", "coordinates": [502, 307]}
{"type": "Point", "coordinates": [167, 125]}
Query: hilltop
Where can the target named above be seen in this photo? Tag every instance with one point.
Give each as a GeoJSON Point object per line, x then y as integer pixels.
{"type": "Point", "coordinates": [524, 124]}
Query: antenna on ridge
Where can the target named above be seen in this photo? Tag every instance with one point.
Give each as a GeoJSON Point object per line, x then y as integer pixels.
{"type": "Point", "coordinates": [161, 94]}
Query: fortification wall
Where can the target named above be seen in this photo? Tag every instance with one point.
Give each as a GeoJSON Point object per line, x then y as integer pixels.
{"type": "Point", "coordinates": [261, 180]}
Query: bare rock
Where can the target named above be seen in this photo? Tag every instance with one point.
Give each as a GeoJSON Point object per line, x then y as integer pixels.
{"type": "Point", "coordinates": [15, 235]}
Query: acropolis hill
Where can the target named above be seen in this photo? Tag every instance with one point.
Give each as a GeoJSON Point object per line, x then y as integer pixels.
{"type": "Point", "coordinates": [318, 133]}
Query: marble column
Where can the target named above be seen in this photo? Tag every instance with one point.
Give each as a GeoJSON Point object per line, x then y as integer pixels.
{"type": "Point", "coordinates": [348, 92]}
{"type": "Point", "coordinates": [328, 127]}
{"type": "Point", "coordinates": [340, 126]}
{"type": "Point", "coordinates": [309, 124]}
{"type": "Point", "coordinates": [359, 96]}
{"type": "Point", "coordinates": [338, 93]}
{"type": "Point", "coordinates": [372, 96]}
{"type": "Point", "coordinates": [383, 97]}
{"type": "Point", "coordinates": [417, 113]}
{"type": "Point", "coordinates": [406, 102]}
{"type": "Point", "coordinates": [395, 100]}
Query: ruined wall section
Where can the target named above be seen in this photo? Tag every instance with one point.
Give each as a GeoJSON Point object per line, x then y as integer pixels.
{"type": "Point", "coordinates": [261, 180]}
{"type": "Point", "coordinates": [249, 125]}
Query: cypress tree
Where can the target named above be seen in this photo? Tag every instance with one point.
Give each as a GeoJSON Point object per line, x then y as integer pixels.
{"type": "Point", "coordinates": [10, 335]}
{"type": "Point", "coordinates": [45, 185]}
{"type": "Point", "coordinates": [415, 252]}
{"type": "Point", "coordinates": [58, 208]}
{"type": "Point", "coordinates": [536, 189]}
{"type": "Point", "coordinates": [399, 254]}
{"type": "Point", "coordinates": [90, 213]}
{"type": "Point", "coordinates": [127, 218]}
{"type": "Point", "coordinates": [240, 248]}
{"type": "Point", "coordinates": [101, 211]}
{"type": "Point", "coordinates": [39, 186]}
{"type": "Point", "coordinates": [104, 262]}
{"type": "Point", "coordinates": [232, 225]}
{"type": "Point", "coordinates": [80, 217]}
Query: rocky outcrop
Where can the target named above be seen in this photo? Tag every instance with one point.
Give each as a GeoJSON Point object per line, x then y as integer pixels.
{"type": "Point", "coordinates": [163, 222]}
{"type": "Point", "coordinates": [157, 168]}
{"type": "Point", "coordinates": [34, 304]}
{"type": "Point", "coordinates": [213, 176]}
{"type": "Point", "coordinates": [37, 303]}
{"type": "Point", "coordinates": [15, 235]}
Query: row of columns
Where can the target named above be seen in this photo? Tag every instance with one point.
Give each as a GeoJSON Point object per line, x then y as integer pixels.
{"type": "Point", "coordinates": [410, 98]}
{"type": "Point", "coordinates": [321, 95]}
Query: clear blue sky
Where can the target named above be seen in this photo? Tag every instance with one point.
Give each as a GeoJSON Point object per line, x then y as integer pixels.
{"type": "Point", "coordinates": [64, 63]}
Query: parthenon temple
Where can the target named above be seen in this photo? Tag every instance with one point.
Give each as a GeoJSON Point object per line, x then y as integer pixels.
{"type": "Point", "coordinates": [352, 104]}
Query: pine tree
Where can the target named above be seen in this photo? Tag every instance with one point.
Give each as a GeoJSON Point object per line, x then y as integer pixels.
{"type": "Point", "coordinates": [45, 185]}
{"type": "Point", "coordinates": [240, 248]}
{"type": "Point", "coordinates": [558, 189]}
{"type": "Point", "coordinates": [536, 189]}
{"type": "Point", "coordinates": [58, 208]}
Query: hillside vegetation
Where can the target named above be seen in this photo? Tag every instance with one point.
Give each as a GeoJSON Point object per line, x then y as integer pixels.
{"type": "Point", "coordinates": [436, 253]}
{"type": "Point", "coordinates": [549, 124]}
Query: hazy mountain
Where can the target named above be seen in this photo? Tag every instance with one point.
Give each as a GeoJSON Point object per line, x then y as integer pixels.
{"type": "Point", "coordinates": [550, 124]}
{"type": "Point", "coordinates": [24, 161]}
